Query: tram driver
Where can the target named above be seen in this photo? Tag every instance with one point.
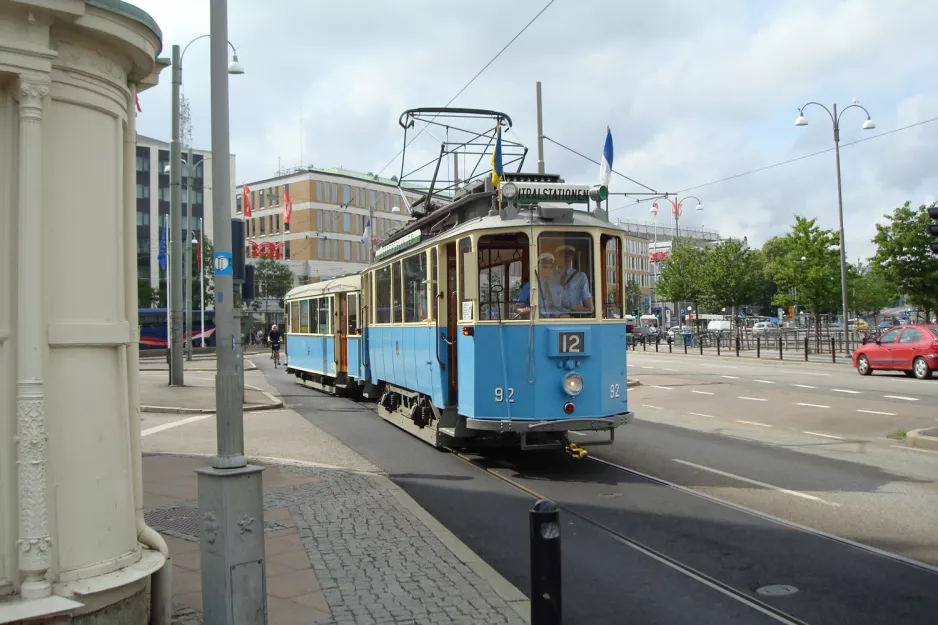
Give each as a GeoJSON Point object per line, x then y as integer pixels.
{"type": "Point", "coordinates": [550, 293]}
{"type": "Point", "coordinates": [575, 283]}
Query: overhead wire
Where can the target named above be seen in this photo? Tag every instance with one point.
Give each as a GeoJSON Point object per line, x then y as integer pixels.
{"type": "Point", "coordinates": [581, 155]}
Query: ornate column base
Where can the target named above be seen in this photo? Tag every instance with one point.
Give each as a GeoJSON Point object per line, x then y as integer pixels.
{"type": "Point", "coordinates": [34, 544]}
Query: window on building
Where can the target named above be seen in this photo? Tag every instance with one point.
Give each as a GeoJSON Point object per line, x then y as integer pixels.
{"type": "Point", "coordinates": [335, 193]}
{"type": "Point", "coordinates": [143, 218]}
{"type": "Point", "coordinates": [143, 246]}
{"type": "Point", "coordinates": [346, 194]}
{"type": "Point", "coordinates": [143, 191]}
{"type": "Point", "coordinates": [347, 250]}
{"type": "Point", "coordinates": [347, 222]}
{"type": "Point", "coordinates": [143, 272]}
{"type": "Point", "coordinates": [372, 197]}
{"type": "Point", "coordinates": [383, 295]}
{"type": "Point", "coordinates": [286, 250]}
{"type": "Point", "coordinates": [335, 249]}
{"type": "Point", "coordinates": [319, 248]}
{"type": "Point", "coordinates": [143, 163]}
{"type": "Point", "coordinates": [238, 204]}
{"type": "Point", "coordinates": [164, 194]}
{"type": "Point", "coordinates": [261, 220]}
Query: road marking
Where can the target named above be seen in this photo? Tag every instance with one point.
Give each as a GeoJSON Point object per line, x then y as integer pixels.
{"type": "Point", "coordinates": [813, 405]}
{"type": "Point", "coordinates": [729, 377]}
{"type": "Point", "coordinates": [647, 367]}
{"type": "Point", "coordinates": [793, 493]}
{"type": "Point", "coordinates": [803, 386]}
{"type": "Point", "coordinates": [901, 397]}
{"type": "Point", "coordinates": [652, 407]}
{"type": "Point", "coordinates": [700, 414]}
{"type": "Point", "coordinates": [824, 435]}
{"type": "Point", "coordinates": [887, 414]}
{"type": "Point", "coordinates": [926, 451]}
{"type": "Point", "coordinates": [666, 369]}
{"type": "Point", "coordinates": [667, 388]}
{"type": "Point", "coordinates": [174, 424]}
{"type": "Point", "coordinates": [764, 381]}
{"type": "Point", "coordinates": [702, 392]}
{"type": "Point", "coordinates": [761, 425]}
{"type": "Point", "coordinates": [845, 390]}
{"type": "Point", "coordinates": [752, 398]}
{"type": "Point", "coordinates": [718, 366]}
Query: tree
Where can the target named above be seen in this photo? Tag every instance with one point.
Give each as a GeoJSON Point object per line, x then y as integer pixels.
{"type": "Point", "coordinates": [633, 295]}
{"type": "Point", "coordinates": [683, 278]}
{"type": "Point", "coordinates": [733, 275]}
{"type": "Point", "coordinates": [146, 294]}
{"type": "Point", "coordinates": [273, 278]}
{"type": "Point", "coordinates": [813, 282]}
{"type": "Point", "coordinates": [902, 251]}
{"type": "Point", "coordinates": [870, 290]}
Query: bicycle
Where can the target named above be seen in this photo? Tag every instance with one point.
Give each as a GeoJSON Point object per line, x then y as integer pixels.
{"type": "Point", "coordinates": [275, 349]}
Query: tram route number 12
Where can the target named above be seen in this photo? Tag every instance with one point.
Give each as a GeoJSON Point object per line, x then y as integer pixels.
{"type": "Point", "coordinates": [501, 392]}
{"type": "Point", "coordinates": [572, 342]}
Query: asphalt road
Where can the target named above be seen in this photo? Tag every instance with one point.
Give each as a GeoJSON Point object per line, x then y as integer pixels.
{"type": "Point", "coordinates": [608, 580]}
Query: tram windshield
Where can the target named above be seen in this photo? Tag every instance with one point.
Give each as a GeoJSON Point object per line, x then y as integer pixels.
{"type": "Point", "coordinates": [564, 274]}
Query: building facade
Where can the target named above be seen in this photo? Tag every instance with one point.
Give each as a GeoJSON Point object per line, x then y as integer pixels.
{"type": "Point", "coordinates": [152, 197]}
{"type": "Point", "coordinates": [326, 235]}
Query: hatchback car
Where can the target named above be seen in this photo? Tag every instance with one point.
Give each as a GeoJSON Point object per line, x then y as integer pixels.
{"type": "Point", "coordinates": [909, 348]}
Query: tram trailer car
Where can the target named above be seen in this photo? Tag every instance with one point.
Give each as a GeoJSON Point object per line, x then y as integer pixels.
{"type": "Point", "coordinates": [442, 335]}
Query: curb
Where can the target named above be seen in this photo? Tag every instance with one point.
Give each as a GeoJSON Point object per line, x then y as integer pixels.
{"type": "Point", "coordinates": [915, 438]}
{"type": "Point", "coordinates": [273, 405]}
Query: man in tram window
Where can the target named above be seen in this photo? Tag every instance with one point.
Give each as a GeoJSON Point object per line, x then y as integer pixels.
{"type": "Point", "coordinates": [575, 283]}
{"type": "Point", "coordinates": [549, 290]}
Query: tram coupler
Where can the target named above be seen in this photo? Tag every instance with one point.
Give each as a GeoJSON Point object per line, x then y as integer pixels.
{"type": "Point", "coordinates": [575, 450]}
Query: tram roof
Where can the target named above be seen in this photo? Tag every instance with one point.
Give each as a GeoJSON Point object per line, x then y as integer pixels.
{"type": "Point", "coordinates": [342, 284]}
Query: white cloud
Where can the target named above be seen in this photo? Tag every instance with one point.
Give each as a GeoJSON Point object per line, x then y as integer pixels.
{"type": "Point", "coordinates": [693, 91]}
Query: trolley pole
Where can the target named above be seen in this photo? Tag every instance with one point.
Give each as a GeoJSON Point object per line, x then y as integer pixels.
{"type": "Point", "coordinates": [546, 608]}
{"type": "Point", "coordinates": [540, 131]}
{"type": "Point", "coordinates": [230, 495]}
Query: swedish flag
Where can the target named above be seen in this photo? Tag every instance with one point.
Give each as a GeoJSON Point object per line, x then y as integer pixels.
{"type": "Point", "coordinates": [497, 170]}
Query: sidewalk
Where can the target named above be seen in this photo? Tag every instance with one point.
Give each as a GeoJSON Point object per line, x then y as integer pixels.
{"type": "Point", "coordinates": [344, 544]}
{"type": "Point", "coordinates": [198, 394]}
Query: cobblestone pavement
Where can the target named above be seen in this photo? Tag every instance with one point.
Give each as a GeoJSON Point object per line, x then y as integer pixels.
{"type": "Point", "coordinates": [375, 561]}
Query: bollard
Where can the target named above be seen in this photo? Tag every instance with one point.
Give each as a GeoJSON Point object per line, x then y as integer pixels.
{"type": "Point", "coordinates": [657, 340]}
{"type": "Point", "coordinates": [718, 344]}
{"type": "Point", "coordinates": [833, 351]}
{"type": "Point", "coordinates": [670, 346]}
{"type": "Point", "coordinates": [644, 344]}
{"type": "Point", "coordinates": [737, 347]}
{"type": "Point", "coordinates": [546, 608]}
{"type": "Point", "coordinates": [806, 349]}
{"type": "Point", "coordinates": [685, 346]}
{"type": "Point", "coordinates": [700, 343]}
{"type": "Point", "coordinates": [780, 355]}
{"type": "Point", "coordinates": [758, 347]}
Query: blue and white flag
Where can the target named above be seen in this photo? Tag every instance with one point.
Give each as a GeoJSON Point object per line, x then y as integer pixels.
{"type": "Point", "coordinates": [163, 255]}
{"type": "Point", "coordinates": [605, 165]}
{"type": "Point", "coordinates": [366, 235]}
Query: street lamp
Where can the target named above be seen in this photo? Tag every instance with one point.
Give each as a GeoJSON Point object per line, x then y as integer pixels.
{"type": "Point", "coordinates": [677, 209]}
{"type": "Point", "coordinates": [835, 120]}
{"type": "Point", "coordinates": [175, 214]}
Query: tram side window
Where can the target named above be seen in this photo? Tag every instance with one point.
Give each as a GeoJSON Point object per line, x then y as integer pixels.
{"type": "Point", "coordinates": [383, 295]}
{"type": "Point", "coordinates": [566, 289]}
{"type": "Point", "coordinates": [353, 313]}
{"type": "Point", "coordinates": [465, 247]}
{"type": "Point", "coordinates": [396, 293]}
{"type": "Point", "coordinates": [314, 316]}
{"type": "Point", "coordinates": [434, 284]}
{"type": "Point", "coordinates": [612, 276]}
{"type": "Point", "coordinates": [325, 315]}
{"type": "Point", "coordinates": [304, 316]}
{"type": "Point", "coordinates": [415, 288]}
{"type": "Point", "coordinates": [502, 258]}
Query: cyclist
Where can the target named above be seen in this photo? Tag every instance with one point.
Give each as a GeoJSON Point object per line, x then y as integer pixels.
{"type": "Point", "coordinates": [274, 339]}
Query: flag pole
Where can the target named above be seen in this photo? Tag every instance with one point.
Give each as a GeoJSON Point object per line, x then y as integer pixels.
{"type": "Point", "coordinates": [202, 280]}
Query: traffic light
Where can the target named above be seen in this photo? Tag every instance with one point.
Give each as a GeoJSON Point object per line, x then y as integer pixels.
{"type": "Point", "coordinates": [933, 227]}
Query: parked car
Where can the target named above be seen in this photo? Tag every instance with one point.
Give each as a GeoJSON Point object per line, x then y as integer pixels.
{"type": "Point", "coordinates": [765, 328]}
{"type": "Point", "coordinates": [644, 334]}
{"type": "Point", "coordinates": [912, 349]}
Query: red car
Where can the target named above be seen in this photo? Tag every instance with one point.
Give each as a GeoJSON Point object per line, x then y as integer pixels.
{"type": "Point", "coordinates": [912, 349]}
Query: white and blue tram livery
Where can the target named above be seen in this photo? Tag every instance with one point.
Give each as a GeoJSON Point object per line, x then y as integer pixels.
{"type": "Point", "coordinates": [494, 318]}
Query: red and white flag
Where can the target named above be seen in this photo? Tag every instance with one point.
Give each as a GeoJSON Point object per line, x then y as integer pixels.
{"type": "Point", "coordinates": [287, 209]}
{"type": "Point", "coordinates": [246, 201]}
{"type": "Point", "coordinates": [139, 110]}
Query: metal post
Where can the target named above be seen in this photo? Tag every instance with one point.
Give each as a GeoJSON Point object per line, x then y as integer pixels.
{"type": "Point", "coordinates": [540, 131]}
{"type": "Point", "coordinates": [780, 356]}
{"type": "Point", "coordinates": [737, 346]}
{"type": "Point", "coordinates": [758, 347]}
{"type": "Point", "coordinates": [546, 606]}
{"type": "Point", "coordinates": [202, 272]}
{"type": "Point", "coordinates": [833, 351]}
{"type": "Point", "coordinates": [230, 492]}
{"type": "Point", "coordinates": [806, 348]}
{"type": "Point", "coordinates": [718, 344]}
{"type": "Point", "coordinates": [840, 214]}
{"type": "Point", "coordinates": [175, 250]}
{"type": "Point", "coordinates": [187, 245]}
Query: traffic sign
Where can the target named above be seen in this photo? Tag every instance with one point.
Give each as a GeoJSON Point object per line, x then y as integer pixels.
{"type": "Point", "coordinates": [223, 264]}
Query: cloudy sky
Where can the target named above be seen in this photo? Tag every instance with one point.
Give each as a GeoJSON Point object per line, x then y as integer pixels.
{"type": "Point", "coordinates": [694, 90]}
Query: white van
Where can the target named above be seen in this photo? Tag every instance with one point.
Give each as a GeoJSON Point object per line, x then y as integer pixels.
{"type": "Point", "coordinates": [720, 325]}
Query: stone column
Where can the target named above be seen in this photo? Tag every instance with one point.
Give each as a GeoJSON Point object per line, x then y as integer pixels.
{"type": "Point", "coordinates": [34, 543]}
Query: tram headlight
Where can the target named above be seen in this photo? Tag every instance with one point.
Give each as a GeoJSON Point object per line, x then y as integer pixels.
{"type": "Point", "coordinates": [573, 384]}
{"type": "Point", "coordinates": [509, 191]}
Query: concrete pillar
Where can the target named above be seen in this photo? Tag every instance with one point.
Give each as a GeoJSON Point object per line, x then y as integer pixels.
{"type": "Point", "coordinates": [34, 541]}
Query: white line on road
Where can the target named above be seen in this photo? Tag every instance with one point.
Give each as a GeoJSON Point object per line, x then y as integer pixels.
{"type": "Point", "coordinates": [652, 407]}
{"type": "Point", "coordinates": [761, 425]}
{"type": "Point", "coordinates": [700, 414]}
{"type": "Point", "coordinates": [824, 435]}
{"type": "Point", "coordinates": [927, 451]}
{"type": "Point", "coordinates": [729, 377]}
{"type": "Point", "coordinates": [813, 405]}
{"type": "Point", "coordinates": [702, 392]}
{"type": "Point", "coordinates": [793, 493]}
{"type": "Point", "coordinates": [901, 397]}
{"type": "Point", "coordinates": [764, 381]}
{"type": "Point", "coordinates": [845, 390]}
{"type": "Point", "coordinates": [647, 367]}
{"type": "Point", "coordinates": [174, 424]}
{"type": "Point", "coordinates": [752, 398]}
{"type": "Point", "coordinates": [887, 414]}
{"type": "Point", "coordinates": [666, 369]}
{"type": "Point", "coordinates": [718, 366]}
{"type": "Point", "coordinates": [667, 388]}
{"type": "Point", "coordinates": [804, 386]}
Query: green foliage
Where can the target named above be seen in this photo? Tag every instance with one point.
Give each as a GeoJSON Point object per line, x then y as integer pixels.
{"type": "Point", "coordinates": [633, 295]}
{"type": "Point", "coordinates": [683, 278]}
{"type": "Point", "coordinates": [208, 263]}
{"type": "Point", "coordinates": [812, 283]}
{"type": "Point", "coordinates": [870, 291]}
{"type": "Point", "coordinates": [733, 275]}
{"type": "Point", "coordinates": [147, 296]}
{"type": "Point", "coordinates": [905, 259]}
{"type": "Point", "coordinates": [273, 278]}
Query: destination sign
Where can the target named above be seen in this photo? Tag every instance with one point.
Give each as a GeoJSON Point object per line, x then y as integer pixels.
{"type": "Point", "coordinates": [534, 192]}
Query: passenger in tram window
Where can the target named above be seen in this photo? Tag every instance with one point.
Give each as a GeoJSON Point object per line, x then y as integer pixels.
{"type": "Point", "coordinates": [550, 292]}
{"type": "Point", "coordinates": [575, 283]}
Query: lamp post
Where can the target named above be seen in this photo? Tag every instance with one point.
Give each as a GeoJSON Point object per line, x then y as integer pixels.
{"type": "Point", "coordinates": [677, 209]}
{"type": "Point", "coordinates": [175, 215]}
{"type": "Point", "coordinates": [801, 120]}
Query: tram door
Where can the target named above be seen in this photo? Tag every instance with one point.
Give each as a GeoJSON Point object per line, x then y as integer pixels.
{"type": "Point", "coordinates": [452, 312]}
{"type": "Point", "coordinates": [341, 348]}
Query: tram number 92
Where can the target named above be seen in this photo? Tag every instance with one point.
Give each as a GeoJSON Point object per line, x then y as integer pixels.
{"type": "Point", "coordinates": [500, 394]}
